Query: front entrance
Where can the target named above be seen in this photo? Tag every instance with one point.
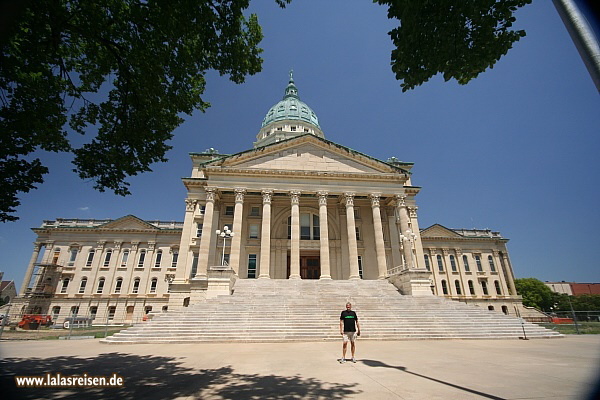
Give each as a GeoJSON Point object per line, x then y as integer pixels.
{"type": "Point", "coordinates": [310, 267]}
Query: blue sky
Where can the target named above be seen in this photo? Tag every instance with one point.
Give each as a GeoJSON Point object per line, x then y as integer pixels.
{"type": "Point", "coordinates": [516, 150]}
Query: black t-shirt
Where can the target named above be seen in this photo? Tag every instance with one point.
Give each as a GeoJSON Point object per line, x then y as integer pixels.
{"type": "Point", "coordinates": [349, 318]}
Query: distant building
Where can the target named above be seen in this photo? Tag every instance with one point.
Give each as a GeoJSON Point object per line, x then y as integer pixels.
{"type": "Point", "coordinates": [300, 207]}
{"type": "Point", "coordinates": [573, 288]}
{"type": "Point", "coordinates": [8, 290]}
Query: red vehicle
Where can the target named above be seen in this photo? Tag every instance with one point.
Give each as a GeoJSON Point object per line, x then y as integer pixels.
{"type": "Point", "coordinates": [33, 321]}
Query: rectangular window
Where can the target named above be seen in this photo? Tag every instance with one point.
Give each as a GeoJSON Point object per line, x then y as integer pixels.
{"type": "Point", "coordinates": [466, 262]}
{"type": "Point", "coordinates": [254, 231]}
{"type": "Point", "coordinates": [255, 211]}
{"type": "Point", "coordinates": [315, 227]}
{"type": "Point", "coordinates": [202, 210]}
{"type": "Point", "coordinates": [65, 285]}
{"type": "Point", "coordinates": [356, 213]}
{"type": "Point", "coordinates": [194, 265]}
{"type": "Point", "coordinates": [360, 267]}
{"type": "Point", "coordinates": [440, 263]}
{"type": "Point", "coordinates": [228, 210]}
{"type": "Point", "coordinates": [153, 285]}
{"type": "Point", "coordinates": [174, 261]}
{"type": "Point", "coordinates": [226, 259]}
{"type": "Point", "coordinates": [136, 285]}
{"type": "Point", "coordinates": [251, 265]}
{"type": "Point", "coordinates": [357, 229]}
{"type": "Point", "coordinates": [93, 312]}
{"type": "Point", "coordinates": [305, 226]}
{"type": "Point", "coordinates": [74, 311]}
{"type": "Point", "coordinates": [73, 256]}
{"type": "Point", "coordinates": [199, 230]}
{"type": "Point", "coordinates": [111, 312]}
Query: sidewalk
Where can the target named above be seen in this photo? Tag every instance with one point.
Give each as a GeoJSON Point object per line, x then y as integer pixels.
{"type": "Point", "coordinates": [562, 369]}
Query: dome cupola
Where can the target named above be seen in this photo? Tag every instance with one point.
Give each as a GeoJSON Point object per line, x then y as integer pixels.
{"type": "Point", "coordinates": [288, 118]}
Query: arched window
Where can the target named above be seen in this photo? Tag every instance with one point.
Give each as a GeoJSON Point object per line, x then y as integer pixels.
{"type": "Point", "coordinates": [478, 262]}
{"type": "Point", "coordinates": [136, 285]}
{"type": "Point", "coordinates": [491, 262]}
{"type": "Point", "coordinates": [174, 260]}
{"type": "Point", "coordinates": [55, 313]}
{"type": "Point", "coordinates": [505, 310]}
{"type": "Point", "coordinates": [440, 263]}
{"type": "Point", "coordinates": [100, 288]}
{"type": "Point", "coordinates": [484, 287]}
{"type": "Point", "coordinates": [153, 284]}
{"type": "Point", "coordinates": [471, 288]}
{"type": "Point", "coordinates": [142, 258]}
{"type": "Point", "coordinates": [453, 263]}
{"type": "Point", "coordinates": [158, 259]}
{"type": "Point", "coordinates": [457, 286]}
{"type": "Point", "coordinates": [82, 284]}
{"type": "Point", "coordinates": [444, 287]}
{"type": "Point", "coordinates": [427, 265]}
{"type": "Point", "coordinates": [466, 263]}
{"type": "Point", "coordinates": [107, 257]}
{"type": "Point", "coordinates": [74, 311]}
{"type": "Point", "coordinates": [65, 285]}
{"type": "Point", "coordinates": [309, 227]}
{"type": "Point", "coordinates": [90, 258]}
{"type": "Point", "coordinates": [118, 285]}
{"type": "Point", "coordinates": [56, 256]}
{"type": "Point", "coordinates": [498, 289]}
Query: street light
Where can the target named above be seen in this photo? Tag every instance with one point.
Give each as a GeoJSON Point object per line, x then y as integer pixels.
{"type": "Point", "coordinates": [225, 234]}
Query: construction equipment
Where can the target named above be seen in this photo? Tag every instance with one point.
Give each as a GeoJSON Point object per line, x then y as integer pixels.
{"type": "Point", "coordinates": [33, 321]}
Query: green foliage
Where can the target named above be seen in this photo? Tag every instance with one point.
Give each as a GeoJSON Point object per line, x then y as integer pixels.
{"type": "Point", "coordinates": [457, 38]}
{"type": "Point", "coordinates": [585, 302]}
{"type": "Point", "coordinates": [535, 293]}
{"type": "Point", "coordinates": [149, 58]}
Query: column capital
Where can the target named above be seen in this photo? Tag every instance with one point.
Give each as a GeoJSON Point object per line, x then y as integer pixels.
{"type": "Point", "coordinates": [400, 200]}
{"type": "Point", "coordinates": [134, 245]}
{"type": "Point", "coordinates": [412, 211]}
{"type": "Point", "coordinates": [190, 204]}
{"type": "Point", "coordinates": [295, 195]}
{"type": "Point", "coordinates": [446, 251]}
{"type": "Point", "coordinates": [322, 197]}
{"type": "Point", "coordinates": [118, 245]}
{"type": "Point", "coordinates": [349, 198]}
{"type": "Point", "coordinates": [239, 194]}
{"type": "Point", "coordinates": [375, 197]}
{"type": "Point", "coordinates": [37, 246]}
{"type": "Point", "coordinates": [100, 244]}
{"type": "Point", "coordinates": [212, 194]}
{"type": "Point", "coordinates": [267, 195]}
{"type": "Point", "coordinates": [458, 252]}
{"type": "Point", "coordinates": [496, 253]}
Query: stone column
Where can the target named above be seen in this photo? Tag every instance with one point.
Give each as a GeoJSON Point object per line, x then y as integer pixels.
{"type": "Point", "coordinates": [500, 271]}
{"type": "Point", "coordinates": [295, 236]}
{"type": "Point", "coordinates": [394, 238]}
{"type": "Point", "coordinates": [264, 264]}
{"type": "Point", "coordinates": [379, 243]}
{"type": "Point", "coordinates": [207, 232]}
{"type": "Point", "coordinates": [37, 246]}
{"type": "Point", "coordinates": [505, 265]}
{"type": "Point", "coordinates": [324, 236]}
{"type": "Point", "coordinates": [404, 227]}
{"type": "Point", "coordinates": [351, 232]}
{"type": "Point", "coordinates": [236, 241]}
{"type": "Point", "coordinates": [189, 225]}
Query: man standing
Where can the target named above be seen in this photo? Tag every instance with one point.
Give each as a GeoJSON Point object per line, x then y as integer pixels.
{"type": "Point", "coordinates": [349, 329]}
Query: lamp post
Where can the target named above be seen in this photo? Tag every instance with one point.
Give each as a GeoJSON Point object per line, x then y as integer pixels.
{"type": "Point", "coordinates": [225, 234]}
{"type": "Point", "coordinates": [410, 237]}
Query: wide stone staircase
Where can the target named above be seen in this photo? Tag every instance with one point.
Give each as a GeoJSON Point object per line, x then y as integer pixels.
{"type": "Point", "coordinates": [305, 310]}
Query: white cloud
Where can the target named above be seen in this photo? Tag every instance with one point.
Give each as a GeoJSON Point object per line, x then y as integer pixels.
{"type": "Point", "coordinates": [83, 208]}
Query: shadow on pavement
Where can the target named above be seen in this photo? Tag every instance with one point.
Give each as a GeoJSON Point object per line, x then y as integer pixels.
{"type": "Point", "coordinates": [157, 377]}
{"type": "Point", "coordinates": [374, 363]}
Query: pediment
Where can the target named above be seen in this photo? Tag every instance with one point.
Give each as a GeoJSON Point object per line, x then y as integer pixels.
{"type": "Point", "coordinates": [128, 222]}
{"type": "Point", "coordinates": [438, 230]}
{"type": "Point", "coordinates": [307, 154]}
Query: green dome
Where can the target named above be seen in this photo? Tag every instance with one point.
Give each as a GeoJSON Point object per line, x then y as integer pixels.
{"type": "Point", "coordinates": [291, 108]}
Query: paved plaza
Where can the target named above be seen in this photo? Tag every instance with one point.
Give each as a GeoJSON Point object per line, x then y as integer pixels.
{"type": "Point", "coordinates": [562, 369]}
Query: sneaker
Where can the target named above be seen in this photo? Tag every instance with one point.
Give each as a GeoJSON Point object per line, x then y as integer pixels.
{"type": "Point", "coordinates": [353, 359]}
{"type": "Point", "coordinates": [342, 360]}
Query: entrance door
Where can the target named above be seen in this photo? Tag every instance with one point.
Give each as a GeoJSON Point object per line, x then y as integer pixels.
{"type": "Point", "coordinates": [310, 267]}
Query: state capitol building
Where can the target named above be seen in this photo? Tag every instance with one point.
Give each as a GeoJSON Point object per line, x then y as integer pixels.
{"type": "Point", "coordinates": [296, 206]}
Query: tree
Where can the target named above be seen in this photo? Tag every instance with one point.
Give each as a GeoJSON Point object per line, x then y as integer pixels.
{"type": "Point", "coordinates": [459, 39]}
{"type": "Point", "coordinates": [150, 56]}
{"type": "Point", "coordinates": [535, 293]}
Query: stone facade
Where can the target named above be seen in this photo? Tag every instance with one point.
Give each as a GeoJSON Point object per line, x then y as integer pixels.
{"type": "Point", "coordinates": [299, 206]}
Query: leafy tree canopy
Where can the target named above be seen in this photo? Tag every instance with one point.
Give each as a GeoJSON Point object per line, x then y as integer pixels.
{"type": "Point", "coordinates": [150, 56]}
{"type": "Point", "coordinates": [535, 293]}
{"type": "Point", "coordinates": [585, 302]}
{"type": "Point", "coordinates": [459, 39]}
